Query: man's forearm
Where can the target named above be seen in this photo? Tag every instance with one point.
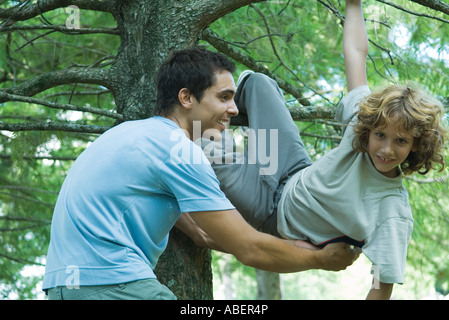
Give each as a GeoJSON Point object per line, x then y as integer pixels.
{"type": "Point", "coordinates": [297, 257]}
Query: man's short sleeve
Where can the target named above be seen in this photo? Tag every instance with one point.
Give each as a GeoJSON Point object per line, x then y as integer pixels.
{"type": "Point", "coordinates": [190, 177]}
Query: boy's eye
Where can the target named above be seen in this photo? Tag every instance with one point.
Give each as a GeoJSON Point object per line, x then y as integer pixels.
{"type": "Point", "coordinates": [380, 134]}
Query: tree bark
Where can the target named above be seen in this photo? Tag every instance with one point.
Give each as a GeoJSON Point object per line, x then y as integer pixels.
{"type": "Point", "coordinates": [186, 269]}
{"type": "Point", "coordinates": [268, 285]}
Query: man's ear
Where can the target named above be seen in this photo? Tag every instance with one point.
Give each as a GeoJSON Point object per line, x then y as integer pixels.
{"type": "Point", "coordinates": [185, 98]}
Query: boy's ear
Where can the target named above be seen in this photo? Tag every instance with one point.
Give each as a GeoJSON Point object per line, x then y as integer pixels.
{"type": "Point", "coordinates": [185, 98]}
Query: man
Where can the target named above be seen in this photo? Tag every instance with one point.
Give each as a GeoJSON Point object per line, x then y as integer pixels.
{"type": "Point", "coordinates": [112, 217]}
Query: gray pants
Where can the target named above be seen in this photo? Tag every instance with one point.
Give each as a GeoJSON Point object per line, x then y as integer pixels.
{"type": "Point", "coordinates": [250, 182]}
{"type": "Point", "coordinates": [146, 289]}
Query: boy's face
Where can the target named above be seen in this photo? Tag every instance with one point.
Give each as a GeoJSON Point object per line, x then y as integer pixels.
{"type": "Point", "coordinates": [388, 147]}
{"type": "Point", "coordinates": [217, 105]}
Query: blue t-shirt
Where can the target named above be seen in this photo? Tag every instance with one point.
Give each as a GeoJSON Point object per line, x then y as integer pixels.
{"type": "Point", "coordinates": [121, 198]}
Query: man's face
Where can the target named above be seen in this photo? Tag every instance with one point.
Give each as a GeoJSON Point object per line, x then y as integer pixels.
{"type": "Point", "coordinates": [217, 105]}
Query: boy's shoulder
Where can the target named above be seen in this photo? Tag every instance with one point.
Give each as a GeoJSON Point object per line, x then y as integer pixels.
{"type": "Point", "coordinates": [349, 105]}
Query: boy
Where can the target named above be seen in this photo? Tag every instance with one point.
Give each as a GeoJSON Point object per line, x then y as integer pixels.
{"type": "Point", "coordinates": [353, 194]}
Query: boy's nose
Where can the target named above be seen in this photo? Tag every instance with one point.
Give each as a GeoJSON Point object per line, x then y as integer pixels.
{"type": "Point", "coordinates": [387, 147]}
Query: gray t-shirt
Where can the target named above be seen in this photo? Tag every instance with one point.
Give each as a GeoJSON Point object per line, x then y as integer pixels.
{"type": "Point", "coordinates": [342, 194]}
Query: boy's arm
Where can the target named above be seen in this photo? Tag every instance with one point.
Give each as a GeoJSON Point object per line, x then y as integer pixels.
{"type": "Point", "coordinates": [355, 45]}
{"type": "Point", "coordinates": [382, 293]}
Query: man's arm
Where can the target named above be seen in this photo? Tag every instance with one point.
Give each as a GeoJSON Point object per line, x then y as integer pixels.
{"type": "Point", "coordinates": [262, 251]}
{"type": "Point", "coordinates": [355, 45]}
{"type": "Point", "coordinates": [189, 227]}
{"type": "Point", "coordinates": [382, 293]}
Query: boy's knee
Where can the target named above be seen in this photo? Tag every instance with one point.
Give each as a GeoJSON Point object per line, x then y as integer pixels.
{"type": "Point", "coordinates": [262, 83]}
{"type": "Point", "coordinates": [259, 78]}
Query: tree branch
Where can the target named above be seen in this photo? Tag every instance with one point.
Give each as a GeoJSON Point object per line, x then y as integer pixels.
{"type": "Point", "coordinates": [311, 112]}
{"type": "Point", "coordinates": [434, 4]}
{"type": "Point", "coordinates": [298, 113]}
{"type": "Point", "coordinates": [222, 46]}
{"type": "Point", "coordinates": [273, 46]}
{"type": "Point", "coordinates": [25, 198]}
{"type": "Point", "coordinates": [13, 97]}
{"type": "Point", "coordinates": [53, 126]}
{"type": "Point", "coordinates": [61, 28]}
{"type": "Point", "coordinates": [212, 10]}
{"type": "Point", "coordinates": [26, 189]}
{"type": "Point", "coordinates": [28, 11]}
{"type": "Point", "coordinates": [412, 12]}
{"type": "Point", "coordinates": [54, 78]}
{"type": "Point", "coordinates": [53, 158]}
{"type": "Point", "coordinates": [23, 261]}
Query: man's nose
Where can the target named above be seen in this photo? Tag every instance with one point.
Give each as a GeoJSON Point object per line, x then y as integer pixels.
{"type": "Point", "coordinates": [232, 109]}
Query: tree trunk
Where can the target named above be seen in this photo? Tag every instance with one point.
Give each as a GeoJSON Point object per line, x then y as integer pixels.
{"type": "Point", "coordinates": [149, 30]}
{"type": "Point", "coordinates": [186, 268]}
{"type": "Point", "coordinates": [268, 285]}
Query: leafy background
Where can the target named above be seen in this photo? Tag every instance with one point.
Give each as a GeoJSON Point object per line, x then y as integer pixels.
{"type": "Point", "coordinates": [299, 42]}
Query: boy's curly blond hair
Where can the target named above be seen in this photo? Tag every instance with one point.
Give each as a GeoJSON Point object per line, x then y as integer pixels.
{"type": "Point", "coordinates": [410, 109]}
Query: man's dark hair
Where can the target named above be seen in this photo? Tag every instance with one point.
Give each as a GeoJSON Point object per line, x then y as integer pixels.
{"type": "Point", "coordinates": [193, 69]}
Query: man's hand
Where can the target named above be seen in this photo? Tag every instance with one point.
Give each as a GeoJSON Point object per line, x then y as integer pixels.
{"type": "Point", "coordinates": [338, 256]}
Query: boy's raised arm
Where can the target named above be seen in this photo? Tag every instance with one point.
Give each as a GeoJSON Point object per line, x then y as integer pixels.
{"type": "Point", "coordinates": [355, 45]}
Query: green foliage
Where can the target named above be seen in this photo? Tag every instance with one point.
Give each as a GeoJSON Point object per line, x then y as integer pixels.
{"type": "Point", "coordinates": [302, 45]}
